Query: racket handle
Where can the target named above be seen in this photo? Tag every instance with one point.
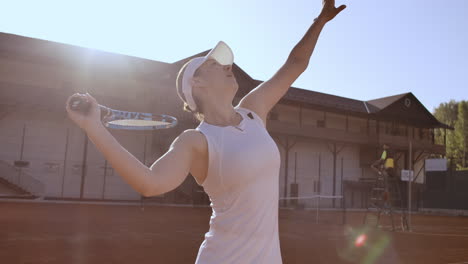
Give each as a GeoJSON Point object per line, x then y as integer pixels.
{"type": "Point", "coordinates": [80, 104]}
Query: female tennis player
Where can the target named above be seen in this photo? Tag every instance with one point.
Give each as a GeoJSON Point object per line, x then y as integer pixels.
{"type": "Point", "coordinates": [230, 153]}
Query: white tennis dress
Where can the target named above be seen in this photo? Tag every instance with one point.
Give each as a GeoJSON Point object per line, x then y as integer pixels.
{"type": "Point", "coordinates": [242, 183]}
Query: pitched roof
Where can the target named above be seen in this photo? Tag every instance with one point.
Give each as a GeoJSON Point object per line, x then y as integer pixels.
{"type": "Point", "coordinates": [46, 51]}
{"type": "Point", "coordinates": [71, 56]}
{"type": "Point", "coordinates": [381, 103]}
{"type": "Point", "coordinates": [325, 100]}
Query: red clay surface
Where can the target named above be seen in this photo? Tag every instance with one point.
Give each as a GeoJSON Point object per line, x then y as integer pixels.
{"type": "Point", "coordinates": [91, 233]}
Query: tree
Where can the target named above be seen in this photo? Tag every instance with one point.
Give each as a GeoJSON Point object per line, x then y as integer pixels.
{"type": "Point", "coordinates": [447, 113]}
{"type": "Point", "coordinates": [454, 114]}
{"type": "Point", "coordinates": [461, 133]}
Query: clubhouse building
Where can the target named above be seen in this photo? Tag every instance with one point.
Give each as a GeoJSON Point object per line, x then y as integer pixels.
{"type": "Point", "coordinates": [326, 142]}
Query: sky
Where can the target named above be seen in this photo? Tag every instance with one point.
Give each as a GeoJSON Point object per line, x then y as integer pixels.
{"type": "Point", "coordinates": [370, 50]}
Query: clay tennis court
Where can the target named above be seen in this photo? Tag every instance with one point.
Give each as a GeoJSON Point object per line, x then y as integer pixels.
{"type": "Point", "coordinates": [108, 233]}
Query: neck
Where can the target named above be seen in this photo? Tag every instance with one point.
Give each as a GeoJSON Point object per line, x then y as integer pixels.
{"type": "Point", "coordinates": [221, 115]}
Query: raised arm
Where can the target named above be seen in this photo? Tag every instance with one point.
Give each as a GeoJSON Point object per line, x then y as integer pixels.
{"type": "Point", "coordinates": [166, 174]}
{"type": "Point", "coordinates": [262, 99]}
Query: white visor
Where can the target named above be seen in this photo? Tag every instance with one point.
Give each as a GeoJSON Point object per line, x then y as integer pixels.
{"type": "Point", "coordinates": [221, 53]}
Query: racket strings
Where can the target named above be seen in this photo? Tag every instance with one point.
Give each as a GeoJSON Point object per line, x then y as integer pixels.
{"type": "Point", "coordinates": [136, 122]}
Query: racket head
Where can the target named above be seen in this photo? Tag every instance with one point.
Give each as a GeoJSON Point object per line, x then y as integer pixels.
{"type": "Point", "coordinates": [118, 119]}
{"type": "Point", "coordinates": [138, 121]}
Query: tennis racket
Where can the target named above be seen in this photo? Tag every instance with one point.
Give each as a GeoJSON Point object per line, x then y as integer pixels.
{"type": "Point", "coordinates": [118, 119]}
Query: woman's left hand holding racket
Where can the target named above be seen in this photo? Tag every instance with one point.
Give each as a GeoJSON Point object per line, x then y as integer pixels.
{"type": "Point", "coordinates": [84, 111]}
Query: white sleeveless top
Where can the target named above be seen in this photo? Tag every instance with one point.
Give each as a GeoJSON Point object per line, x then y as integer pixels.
{"type": "Point", "coordinates": [242, 183]}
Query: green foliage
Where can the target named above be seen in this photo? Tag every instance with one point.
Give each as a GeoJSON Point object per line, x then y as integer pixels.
{"type": "Point", "coordinates": [454, 114]}
{"type": "Point", "coordinates": [461, 132]}
{"type": "Point", "coordinates": [447, 112]}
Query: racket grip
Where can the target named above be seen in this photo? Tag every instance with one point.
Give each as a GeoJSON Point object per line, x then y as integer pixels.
{"type": "Point", "coordinates": [80, 105]}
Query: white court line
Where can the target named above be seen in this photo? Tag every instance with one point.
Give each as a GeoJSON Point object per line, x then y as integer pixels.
{"type": "Point", "coordinates": [309, 197]}
{"type": "Point", "coordinates": [135, 203]}
{"type": "Point", "coordinates": [421, 233]}
{"type": "Point", "coordinates": [431, 234]}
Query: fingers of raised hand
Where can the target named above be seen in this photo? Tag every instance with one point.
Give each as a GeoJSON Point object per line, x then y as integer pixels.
{"type": "Point", "coordinates": [341, 8]}
{"type": "Point", "coordinates": [73, 100]}
{"type": "Point", "coordinates": [92, 99]}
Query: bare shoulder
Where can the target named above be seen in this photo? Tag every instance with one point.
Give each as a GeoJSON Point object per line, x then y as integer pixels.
{"type": "Point", "coordinates": [193, 139]}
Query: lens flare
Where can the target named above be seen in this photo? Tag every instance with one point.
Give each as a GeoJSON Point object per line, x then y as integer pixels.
{"type": "Point", "coordinates": [360, 240]}
{"type": "Point", "coordinates": [365, 245]}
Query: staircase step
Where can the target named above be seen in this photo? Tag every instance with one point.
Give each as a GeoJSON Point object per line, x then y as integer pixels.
{"type": "Point", "coordinates": [19, 180]}
{"type": "Point", "coordinates": [12, 186]}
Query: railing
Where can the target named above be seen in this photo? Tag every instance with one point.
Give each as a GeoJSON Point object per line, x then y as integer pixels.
{"type": "Point", "coordinates": [19, 178]}
{"type": "Point", "coordinates": [340, 135]}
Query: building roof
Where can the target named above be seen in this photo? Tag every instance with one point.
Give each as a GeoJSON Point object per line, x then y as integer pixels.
{"type": "Point", "coordinates": [393, 108]}
{"type": "Point", "coordinates": [325, 100]}
{"type": "Point", "coordinates": [383, 102]}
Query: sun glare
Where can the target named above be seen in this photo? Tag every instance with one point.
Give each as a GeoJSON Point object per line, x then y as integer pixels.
{"type": "Point", "coordinates": [360, 240]}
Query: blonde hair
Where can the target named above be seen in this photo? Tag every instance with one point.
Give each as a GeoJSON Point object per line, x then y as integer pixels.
{"type": "Point", "coordinates": [198, 113]}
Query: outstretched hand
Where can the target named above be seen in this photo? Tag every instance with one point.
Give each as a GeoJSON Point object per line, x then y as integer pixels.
{"type": "Point", "coordinates": [329, 11]}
